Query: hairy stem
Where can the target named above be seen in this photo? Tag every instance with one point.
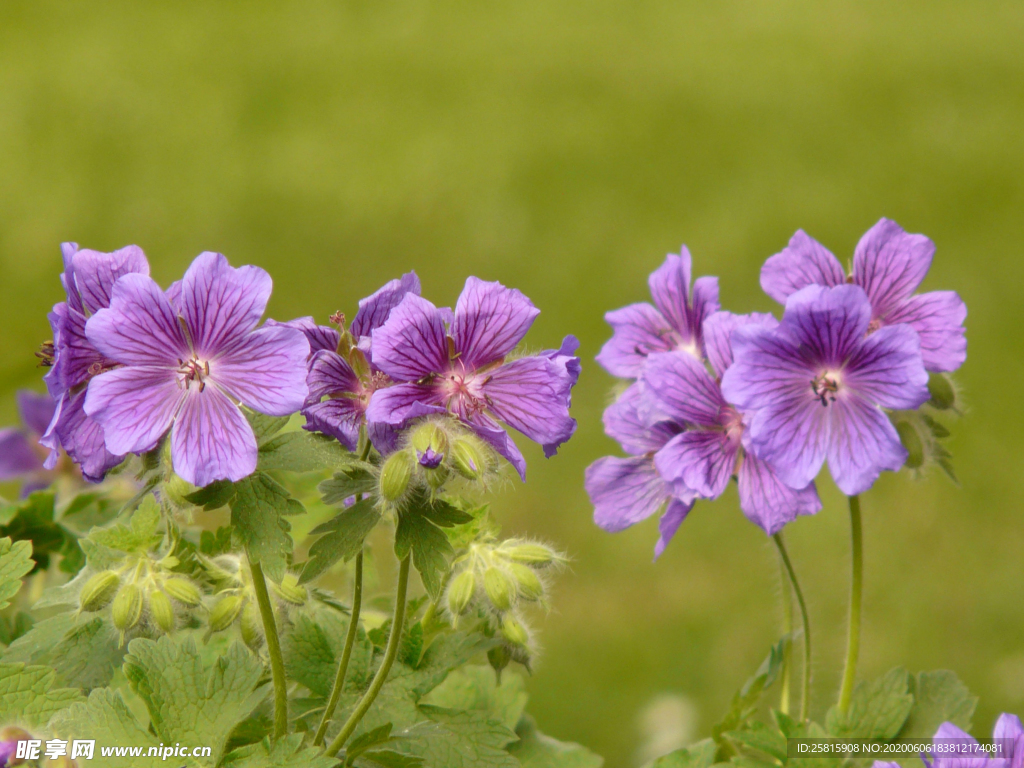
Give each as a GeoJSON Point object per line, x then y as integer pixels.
{"type": "Point", "coordinates": [856, 588]}
{"type": "Point", "coordinates": [385, 666]}
{"type": "Point", "coordinates": [805, 694]}
{"type": "Point", "coordinates": [787, 628]}
{"type": "Point", "coordinates": [346, 654]}
{"type": "Point", "coordinates": [273, 649]}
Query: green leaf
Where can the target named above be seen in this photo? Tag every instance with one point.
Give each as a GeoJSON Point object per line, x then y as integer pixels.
{"type": "Point", "coordinates": [745, 700]}
{"type": "Point", "coordinates": [699, 755]}
{"type": "Point", "coordinates": [136, 538]}
{"type": "Point", "coordinates": [257, 515]}
{"type": "Point", "coordinates": [27, 694]}
{"type": "Point", "coordinates": [466, 740]}
{"type": "Point", "coordinates": [106, 718]}
{"type": "Point", "coordinates": [15, 562]}
{"type": "Point", "coordinates": [212, 544]}
{"type": "Point", "coordinates": [761, 738]}
{"type": "Point", "coordinates": [475, 688]}
{"type": "Point", "coordinates": [286, 752]}
{"type": "Point", "coordinates": [263, 426]}
{"type": "Point", "coordinates": [419, 533]}
{"type": "Point", "coordinates": [32, 519]}
{"type": "Point", "coordinates": [312, 647]}
{"type": "Point", "coordinates": [303, 452]}
{"type": "Point", "coordinates": [213, 496]}
{"type": "Point", "coordinates": [83, 655]}
{"type": "Point", "coordinates": [536, 750]}
{"type": "Point", "coordinates": [366, 740]}
{"type": "Point", "coordinates": [351, 481]}
{"type": "Point", "coordinates": [188, 703]}
{"type": "Point", "coordinates": [878, 709]}
{"type": "Point", "coordinates": [939, 697]}
{"type": "Point", "coordinates": [342, 538]}
{"type": "Point", "coordinates": [388, 758]}
{"type": "Point", "coordinates": [87, 510]}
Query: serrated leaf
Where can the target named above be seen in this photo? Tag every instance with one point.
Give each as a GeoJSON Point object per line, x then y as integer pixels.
{"type": "Point", "coordinates": [311, 648]}
{"type": "Point", "coordinates": [106, 718]}
{"type": "Point", "coordinates": [265, 427]}
{"type": "Point", "coordinates": [349, 482]}
{"type": "Point", "coordinates": [699, 755]}
{"type": "Point", "coordinates": [465, 740]}
{"type": "Point", "coordinates": [418, 532]}
{"type": "Point", "coordinates": [32, 519]}
{"type": "Point", "coordinates": [537, 750]}
{"type": "Point", "coordinates": [213, 496]}
{"type": "Point", "coordinates": [342, 538]}
{"type": "Point", "coordinates": [212, 544]}
{"type": "Point", "coordinates": [258, 517]}
{"type": "Point", "coordinates": [475, 688]}
{"type": "Point", "coordinates": [136, 538]}
{"type": "Point", "coordinates": [303, 452]}
{"type": "Point", "coordinates": [364, 741]}
{"type": "Point", "coordinates": [286, 752]}
{"type": "Point", "coordinates": [27, 694]}
{"type": "Point", "coordinates": [878, 709]}
{"type": "Point", "coordinates": [389, 758]}
{"type": "Point", "coordinates": [939, 697]}
{"type": "Point", "coordinates": [15, 562]}
{"type": "Point", "coordinates": [761, 738]}
{"type": "Point", "coordinates": [87, 510]}
{"type": "Point", "coordinates": [745, 700]}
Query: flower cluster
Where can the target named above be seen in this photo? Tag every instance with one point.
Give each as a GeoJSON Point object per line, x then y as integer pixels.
{"type": "Point", "coordinates": [717, 395]}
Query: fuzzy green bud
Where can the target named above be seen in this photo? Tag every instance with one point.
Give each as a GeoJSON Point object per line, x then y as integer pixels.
{"type": "Point", "coordinates": [396, 474]}
{"type": "Point", "coordinates": [532, 554]}
{"type": "Point", "coordinates": [250, 625]}
{"type": "Point", "coordinates": [500, 588]}
{"type": "Point", "coordinates": [290, 591]}
{"type": "Point", "coordinates": [98, 590]}
{"type": "Point", "coordinates": [161, 610]}
{"type": "Point", "coordinates": [429, 436]}
{"type": "Point", "coordinates": [127, 608]}
{"type": "Point", "coordinates": [912, 442]}
{"type": "Point", "coordinates": [943, 396]}
{"type": "Point", "coordinates": [461, 592]}
{"type": "Point", "coordinates": [513, 630]}
{"type": "Point", "coordinates": [225, 612]}
{"type": "Point", "coordinates": [469, 457]}
{"type": "Point", "coordinates": [183, 591]}
{"type": "Point", "coordinates": [527, 582]}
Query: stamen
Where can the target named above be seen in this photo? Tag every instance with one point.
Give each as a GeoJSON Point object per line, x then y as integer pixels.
{"type": "Point", "coordinates": [825, 388]}
{"type": "Point", "coordinates": [46, 354]}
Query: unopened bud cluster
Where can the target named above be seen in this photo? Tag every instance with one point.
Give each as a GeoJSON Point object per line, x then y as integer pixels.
{"type": "Point", "coordinates": [921, 434]}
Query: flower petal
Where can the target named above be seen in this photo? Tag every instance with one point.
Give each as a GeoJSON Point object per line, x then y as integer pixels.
{"type": "Point", "coordinates": [622, 422]}
{"type": "Point", "coordinates": [338, 417]}
{"type": "Point", "coordinates": [828, 322]}
{"type": "Point", "coordinates": [718, 330]}
{"type": "Point", "coordinates": [211, 439]}
{"type": "Point", "coordinates": [17, 457]}
{"type": "Point", "coordinates": [637, 331]}
{"type": "Point", "coordinates": [803, 262]}
{"type": "Point", "coordinates": [266, 370]}
{"type": "Point", "coordinates": [682, 388]}
{"type": "Point", "coordinates": [140, 327]}
{"type": "Point", "coordinates": [938, 317]}
{"type": "Point", "coordinates": [890, 264]}
{"type": "Point", "coordinates": [222, 305]}
{"type": "Point", "coordinates": [135, 407]}
{"type": "Point", "coordinates": [1008, 727]}
{"type": "Point", "coordinates": [76, 359]}
{"type": "Point", "coordinates": [490, 320]}
{"type": "Point", "coordinates": [330, 374]}
{"type": "Point", "coordinates": [375, 308]}
{"type": "Point", "coordinates": [864, 442]}
{"type": "Point", "coordinates": [394, 405]}
{"type": "Point", "coordinates": [36, 410]}
{"type": "Point", "coordinates": [491, 432]}
{"type": "Point", "coordinates": [886, 369]}
{"type": "Point", "coordinates": [412, 343]}
{"type": "Point", "coordinates": [767, 501]}
{"type": "Point", "coordinates": [566, 355]}
{"type": "Point", "coordinates": [82, 438]}
{"type": "Point", "coordinates": [318, 336]}
{"type": "Point", "coordinates": [769, 368]}
{"type": "Point", "coordinates": [796, 434]}
{"type": "Point", "coordinates": [532, 395]}
{"type": "Point", "coordinates": [700, 461]}
{"type": "Point", "coordinates": [624, 491]}
{"type": "Point", "coordinates": [95, 273]}
{"type": "Point", "coordinates": [675, 513]}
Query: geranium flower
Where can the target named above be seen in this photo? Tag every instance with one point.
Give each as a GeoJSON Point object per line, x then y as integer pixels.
{"type": "Point", "coordinates": [189, 364]}
{"type": "Point", "coordinates": [889, 265]}
{"type": "Point", "coordinates": [955, 748]}
{"type": "Point", "coordinates": [456, 363]}
{"type": "Point", "coordinates": [20, 457]}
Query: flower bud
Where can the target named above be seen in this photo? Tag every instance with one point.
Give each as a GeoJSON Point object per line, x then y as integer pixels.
{"type": "Point", "coordinates": [500, 588]}
{"type": "Point", "coordinates": [437, 477]}
{"type": "Point", "coordinates": [469, 457]}
{"type": "Point", "coordinates": [127, 608]}
{"type": "Point", "coordinates": [943, 396]}
{"type": "Point", "coordinates": [251, 626]}
{"type": "Point", "coordinates": [161, 610]}
{"type": "Point", "coordinates": [527, 582]}
{"type": "Point", "coordinates": [513, 631]}
{"type": "Point", "coordinates": [461, 592]}
{"type": "Point", "coordinates": [225, 612]}
{"type": "Point", "coordinates": [98, 590]}
{"type": "Point", "coordinates": [912, 442]}
{"type": "Point", "coordinates": [290, 591]}
{"type": "Point", "coordinates": [396, 474]}
{"type": "Point", "coordinates": [430, 442]}
{"type": "Point", "coordinates": [183, 591]}
{"type": "Point", "coordinates": [532, 554]}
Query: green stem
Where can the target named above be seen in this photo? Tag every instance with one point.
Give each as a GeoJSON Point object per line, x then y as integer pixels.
{"type": "Point", "coordinates": [273, 649]}
{"type": "Point", "coordinates": [346, 654]}
{"type": "Point", "coordinates": [385, 666]}
{"type": "Point", "coordinates": [787, 628]}
{"type": "Point", "coordinates": [805, 696]}
{"type": "Point", "coordinates": [856, 589]}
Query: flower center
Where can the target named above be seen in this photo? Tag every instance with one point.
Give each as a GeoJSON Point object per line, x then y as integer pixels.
{"type": "Point", "coordinates": [46, 354]}
{"type": "Point", "coordinates": [462, 392]}
{"type": "Point", "coordinates": [195, 370]}
{"type": "Point", "coordinates": [825, 387]}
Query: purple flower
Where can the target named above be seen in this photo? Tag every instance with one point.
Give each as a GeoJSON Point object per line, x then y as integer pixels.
{"type": "Point", "coordinates": [625, 491]}
{"type": "Point", "coordinates": [816, 386]}
{"type": "Point", "coordinates": [716, 446]}
{"type": "Point", "coordinates": [955, 748]}
{"type": "Point", "coordinates": [19, 450]}
{"type": "Point", "coordinates": [340, 377]}
{"type": "Point", "coordinates": [673, 323]}
{"type": "Point", "coordinates": [889, 265]}
{"type": "Point", "coordinates": [188, 364]}
{"type": "Point", "coordinates": [462, 369]}
{"type": "Point", "coordinates": [88, 279]}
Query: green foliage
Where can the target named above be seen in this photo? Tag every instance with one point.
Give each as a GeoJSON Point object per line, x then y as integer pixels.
{"type": "Point", "coordinates": [537, 750]}
{"type": "Point", "coordinates": [34, 519]}
{"type": "Point", "coordinates": [263, 426]}
{"type": "Point", "coordinates": [419, 531]}
{"type": "Point", "coordinates": [745, 701]}
{"type": "Point", "coordinates": [28, 695]}
{"type": "Point", "coordinates": [699, 755]}
{"type": "Point", "coordinates": [15, 562]}
{"type": "Point", "coordinates": [137, 538]}
{"type": "Point", "coordinates": [878, 709]}
{"type": "Point", "coordinates": [939, 697]}
{"type": "Point", "coordinates": [83, 654]}
{"type": "Point", "coordinates": [303, 452]}
{"type": "Point", "coordinates": [352, 481]}
{"type": "Point", "coordinates": [341, 538]}
{"type": "Point", "coordinates": [258, 512]}
{"type": "Point", "coordinates": [287, 752]}
{"type": "Point", "coordinates": [107, 718]}
{"type": "Point", "coordinates": [474, 688]}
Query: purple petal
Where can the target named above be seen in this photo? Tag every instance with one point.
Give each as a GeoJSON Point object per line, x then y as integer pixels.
{"type": "Point", "coordinates": [638, 330]}
{"type": "Point", "coordinates": [36, 410]}
{"type": "Point", "coordinates": [803, 262]}
{"type": "Point", "coordinates": [864, 442]}
{"type": "Point", "coordinates": [395, 405]}
{"type": "Point", "coordinates": [828, 322]}
{"type": "Point", "coordinates": [211, 439]}
{"type": "Point", "coordinates": [140, 327]}
{"type": "Point", "coordinates": [769, 368]}
{"type": "Point", "coordinates": [767, 501]}
{"type": "Point", "coordinates": [95, 273]}
{"type": "Point", "coordinates": [1008, 727]}
{"type": "Point", "coordinates": [76, 358]}
{"type": "Point", "coordinates": [266, 370]}
{"type": "Point", "coordinates": [889, 264]}
{"type": "Point", "coordinates": [675, 513]}
{"type": "Point", "coordinates": [705, 304]}
{"type": "Point", "coordinates": [531, 394]}
{"type": "Point", "coordinates": [67, 278]}
{"type": "Point", "coordinates": [338, 417]}
{"type": "Point", "coordinates": [135, 406]}
{"type": "Point", "coordinates": [718, 330]}
{"type": "Point", "coordinates": [624, 491]}
{"type": "Point", "coordinates": [17, 457]}
{"type": "Point", "coordinates": [490, 320]}
{"type": "Point", "coordinates": [318, 336]}
{"type": "Point", "coordinates": [938, 317]}
{"type": "Point", "coordinates": [887, 369]}
{"type": "Point", "coordinates": [566, 355]}
{"type": "Point", "coordinates": [491, 432]}
{"type": "Point", "coordinates": [670, 289]}
{"type": "Point", "coordinates": [682, 388]}
{"type": "Point", "coordinates": [622, 422]}
{"type": "Point", "coordinates": [430, 458]}
{"type": "Point", "coordinates": [412, 343]}
{"type": "Point", "coordinates": [330, 374]}
{"type": "Point", "coordinates": [796, 434]}
{"type": "Point", "coordinates": [375, 308]}
{"type": "Point", "coordinates": [82, 438]}
{"type": "Point", "coordinates": [222, 305]}
{"type": "Point", "coordinates": [701, 461]}
{"type": "Point", "coordinates": [385, 438]}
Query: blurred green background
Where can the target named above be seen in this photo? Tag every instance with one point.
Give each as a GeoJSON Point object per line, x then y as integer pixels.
{"type": "Point", "coordinates": [564, 148]}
